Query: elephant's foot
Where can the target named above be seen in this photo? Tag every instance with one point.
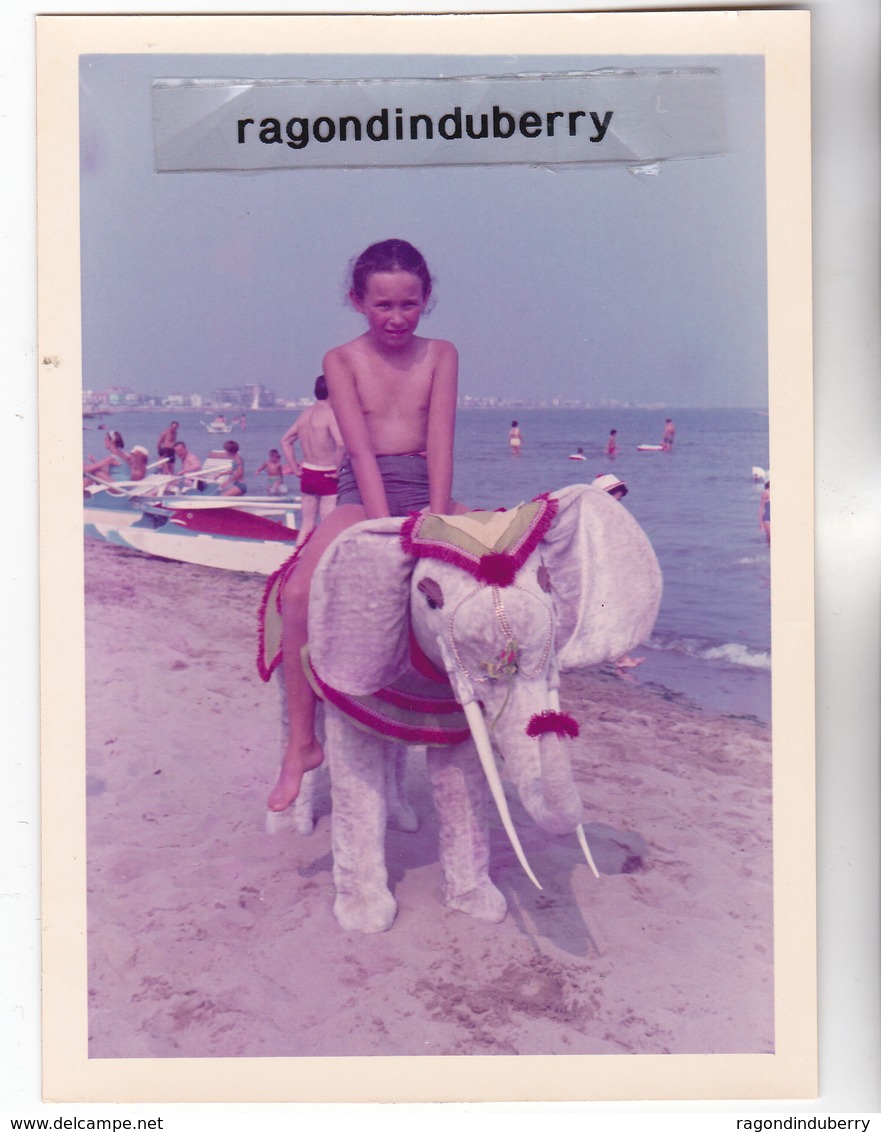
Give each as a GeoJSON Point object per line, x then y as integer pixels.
{"type": "Point", "coordinates": [373, 912]}
{"type": "Point", "coordinates": [484, 902]}
{"type": "Point", "coordinates": [403, 817]}
{"type": "Point", "coordinates": [296, 762]}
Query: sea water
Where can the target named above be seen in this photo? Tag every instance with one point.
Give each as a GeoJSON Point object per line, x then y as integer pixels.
{"type": "Point", "coordinates": [698, 504]}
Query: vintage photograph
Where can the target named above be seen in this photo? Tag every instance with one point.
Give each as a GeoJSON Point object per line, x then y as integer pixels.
{"type": "Point", "coordinates": [427, 578]}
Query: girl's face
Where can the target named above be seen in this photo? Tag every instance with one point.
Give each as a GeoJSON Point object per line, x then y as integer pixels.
{"type": "Point", "coordinates": [392, 303]}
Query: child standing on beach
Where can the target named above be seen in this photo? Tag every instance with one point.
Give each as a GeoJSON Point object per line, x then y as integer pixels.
{"type": "Point", "coordinates": [233, 481]}
{"type": "Point", "coordinates": [394, 397]}
{"type": "Point", "coordinates": [273, 467]}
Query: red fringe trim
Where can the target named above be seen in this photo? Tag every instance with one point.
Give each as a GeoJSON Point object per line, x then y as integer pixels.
{"type": "Point", "coordinates": [490, 569]}
{"type": "Point", "coordinates": [554, 723]}
{"type": "Point", "coordinates": [280, 576]}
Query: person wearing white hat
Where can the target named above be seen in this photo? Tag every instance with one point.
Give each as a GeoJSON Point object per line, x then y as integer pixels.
{"type": "Point", "coordinates": [136, 459]}
{"type": "Point", "coordinates": [605, 481]}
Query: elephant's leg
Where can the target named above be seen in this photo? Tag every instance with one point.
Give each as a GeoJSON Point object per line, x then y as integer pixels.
{"type": "Point", "coordinates": [401, 814]}
{"type": "Point", "coordinates": [357, 778]}
{"type": "Point", "coordinates": [460, 797]}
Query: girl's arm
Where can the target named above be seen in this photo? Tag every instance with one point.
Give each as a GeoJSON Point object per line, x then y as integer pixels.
{"type": "Point", "coordinates": [441, 427]}
{"type": "Point", "coordinates": [346, 407]}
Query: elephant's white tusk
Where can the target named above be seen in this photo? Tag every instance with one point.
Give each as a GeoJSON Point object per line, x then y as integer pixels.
{"type": "Point", "coordinates": [481, 740]}
{"type": "Point", "coordinates": [585, 848]}
{"type": "Point", "coordinates": [554, 704]}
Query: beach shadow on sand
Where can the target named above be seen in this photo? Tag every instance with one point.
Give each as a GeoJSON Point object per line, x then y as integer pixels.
{"type": "Point", "coordinates": [552, 914]}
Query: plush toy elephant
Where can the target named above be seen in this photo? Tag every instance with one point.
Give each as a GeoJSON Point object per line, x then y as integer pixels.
{"type": "Point", "coordinates": [453, 631]}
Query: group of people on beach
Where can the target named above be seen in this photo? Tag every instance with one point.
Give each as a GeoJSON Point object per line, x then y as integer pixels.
{"type": "Point", "coordinates": [174, 459]}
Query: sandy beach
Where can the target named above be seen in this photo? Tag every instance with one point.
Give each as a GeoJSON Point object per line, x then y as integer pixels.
{"type": "Point", "coordinates": [209, 937]}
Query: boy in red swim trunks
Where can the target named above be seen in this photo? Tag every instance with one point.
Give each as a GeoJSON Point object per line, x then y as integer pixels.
{"type": "Point", "coordinates": [322, 444]}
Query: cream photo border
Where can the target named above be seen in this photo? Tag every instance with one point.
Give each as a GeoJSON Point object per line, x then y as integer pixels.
{"type": "Point", "coordinates": [783, 38]}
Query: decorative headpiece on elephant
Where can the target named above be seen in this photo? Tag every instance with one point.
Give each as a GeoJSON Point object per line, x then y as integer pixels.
{"type": "Point", "coordinates": [499, 603]}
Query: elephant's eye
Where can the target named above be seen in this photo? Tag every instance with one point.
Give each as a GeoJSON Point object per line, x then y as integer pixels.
{"type": "Point", "coordinates": [544, 578]}
{"type": "Point", "coordinates": [433, 593]}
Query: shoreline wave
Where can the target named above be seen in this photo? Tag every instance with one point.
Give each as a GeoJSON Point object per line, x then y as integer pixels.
{"type": "Point", "coordinates": [733, 653]}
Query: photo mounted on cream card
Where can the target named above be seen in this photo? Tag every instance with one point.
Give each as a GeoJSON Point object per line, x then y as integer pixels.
{"type": "Point", "coordinates": [410, 690]}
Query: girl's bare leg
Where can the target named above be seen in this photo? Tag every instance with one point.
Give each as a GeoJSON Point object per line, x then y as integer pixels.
{"type": "Point", "coordinates": [326, 504]}
{"type": "Point", "coordinates": [308, 509]}
{"type": "Point", "coordinates": [303, 753]}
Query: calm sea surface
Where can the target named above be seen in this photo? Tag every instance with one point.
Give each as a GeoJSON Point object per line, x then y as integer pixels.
{"type": "Point", "coordinates": [697, 504]}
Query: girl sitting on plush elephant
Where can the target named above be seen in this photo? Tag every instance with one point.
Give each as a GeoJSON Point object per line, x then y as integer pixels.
{"type": "Point", "coordinates": [453, 631]}
{"type": "Point", "coordinates": [394, 396]}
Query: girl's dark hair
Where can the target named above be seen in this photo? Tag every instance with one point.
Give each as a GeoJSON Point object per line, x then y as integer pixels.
{"type": "Point", "coordinates": [321, 387]}
{"type": "Point", "coordinates": [116, 439]}
{"type": "Point", "coordinates": [230, 446]}
{"type": "Point", "coordinates": [389, 255]}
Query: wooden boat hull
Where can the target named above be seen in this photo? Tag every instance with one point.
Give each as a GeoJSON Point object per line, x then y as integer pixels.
{"type": "Point", "coordinates": [222, 538]}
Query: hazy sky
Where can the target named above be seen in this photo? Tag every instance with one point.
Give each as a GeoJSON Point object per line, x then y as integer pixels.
{"type": "Point", "coordinates": [588, 283]}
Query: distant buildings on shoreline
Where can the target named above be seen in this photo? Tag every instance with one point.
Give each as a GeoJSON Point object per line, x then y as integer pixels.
{"type": "Point", "coordinates": [253, 397]}
{"type": "Point", "coordinates": [250, 397]}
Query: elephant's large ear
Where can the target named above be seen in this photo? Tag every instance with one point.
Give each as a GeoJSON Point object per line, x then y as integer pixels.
{"type": "Point", "coordinates": [604, 577]}
{"type": "Point", "coordinates": [359, 609]}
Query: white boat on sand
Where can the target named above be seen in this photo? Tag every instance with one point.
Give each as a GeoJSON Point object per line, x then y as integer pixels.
{"type": "Point", "coordinates": [168, 517]}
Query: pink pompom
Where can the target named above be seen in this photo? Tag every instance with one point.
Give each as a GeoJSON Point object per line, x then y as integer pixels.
{"type": "Point", "coordinates": [497, 569]}
{"type": "Point", "coordinates": [552, 723]}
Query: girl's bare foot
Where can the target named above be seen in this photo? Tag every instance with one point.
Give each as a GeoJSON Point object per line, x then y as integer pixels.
{"type": "Point", "coordinates": [296, 762]}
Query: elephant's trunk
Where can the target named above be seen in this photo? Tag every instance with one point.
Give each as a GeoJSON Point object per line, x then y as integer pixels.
{"type": "Point", "coordinates": [550, 797]}
{"type": "Point", "coordinates": [539, 769]}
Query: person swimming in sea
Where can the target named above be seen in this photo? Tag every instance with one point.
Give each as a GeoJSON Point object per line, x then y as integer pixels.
{"type": "Point", "coordinates": [765, 512]}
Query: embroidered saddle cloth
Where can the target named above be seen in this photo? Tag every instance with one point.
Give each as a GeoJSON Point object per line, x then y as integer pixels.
{"type": "Point", "coordinates": [417, 708]}
{"type": "Point", "coordinates": [490, 545]}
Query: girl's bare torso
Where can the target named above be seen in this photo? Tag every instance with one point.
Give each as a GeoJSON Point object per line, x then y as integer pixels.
{"type": "Point", "coordinates": [393, 391]}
